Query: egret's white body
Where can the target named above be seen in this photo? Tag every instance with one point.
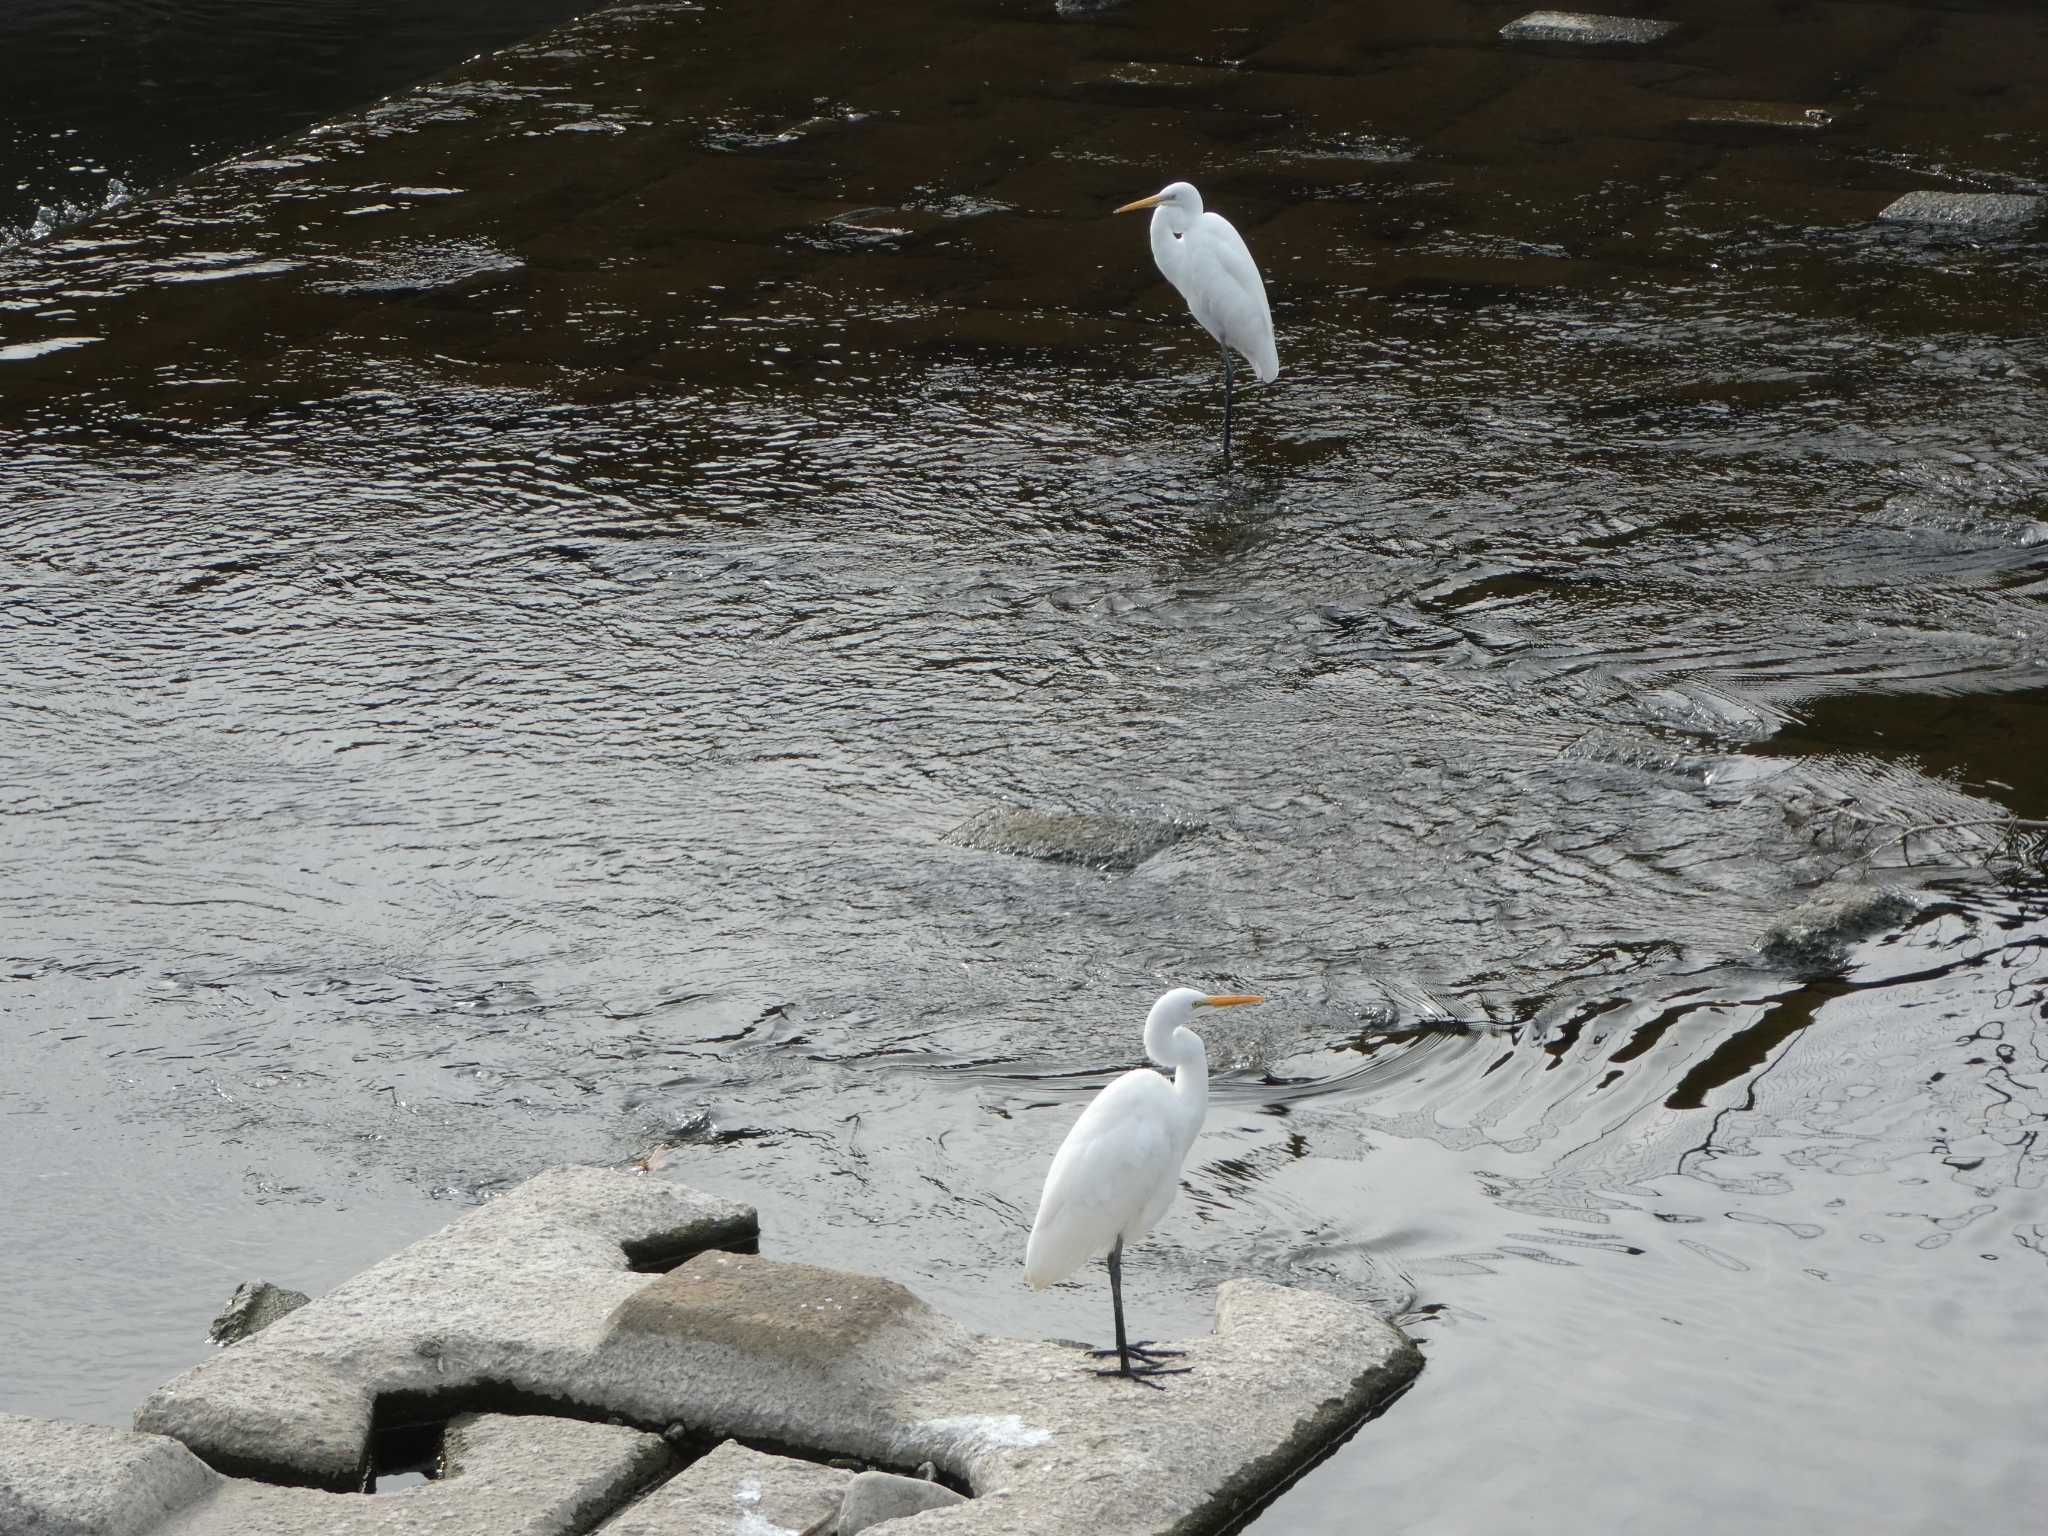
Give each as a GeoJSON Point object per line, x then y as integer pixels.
{"type": "Point", "coordinates": [1119, 1168]}
{"type": "Point", "coordinates": [1206, 259]}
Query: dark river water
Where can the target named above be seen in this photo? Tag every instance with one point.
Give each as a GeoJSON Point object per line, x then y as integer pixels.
{"type": "Point", "coordinates": [103, 100]}
{"type": "Point", "coordinates": [504, 597]}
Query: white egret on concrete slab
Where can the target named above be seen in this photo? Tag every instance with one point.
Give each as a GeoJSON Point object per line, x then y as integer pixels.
{"type": "Point", "coordinates": [1205, 257]}
{"type": "Point", "coordinates": [1117, 1171]}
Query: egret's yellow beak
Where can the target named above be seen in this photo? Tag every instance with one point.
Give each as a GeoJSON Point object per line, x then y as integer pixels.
{"type": "Point", "coordinates": [1143, 202]}
{"type": "Point", "coordinates": [1226, 999]}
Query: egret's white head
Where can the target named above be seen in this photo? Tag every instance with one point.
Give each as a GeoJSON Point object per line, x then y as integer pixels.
{"type": "Point", "coordinates": [1172, 1013]}
{"type": "Point", "coordinates": [1178, 200]}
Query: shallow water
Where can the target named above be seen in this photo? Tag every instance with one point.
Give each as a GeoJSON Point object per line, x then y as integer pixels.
{"type": "Point", "coordinates": [508, 594]}
{"type": "Point", "coordinates": [102, 100]}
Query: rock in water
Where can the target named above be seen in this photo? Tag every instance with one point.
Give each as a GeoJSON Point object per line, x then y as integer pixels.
{"type": "Point", "coordinates": [1120, 843]}
{"type": "Point", "coordinates": [1814, 937]}
{"type": "Point", "coordinates": [1964, 210]}
{"type": "Point", "coordinates": [255, 1306]}
{"type": "Point", "coordinates": [1590, 30]}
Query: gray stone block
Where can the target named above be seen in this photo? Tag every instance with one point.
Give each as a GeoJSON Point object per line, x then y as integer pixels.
{"type": "Point", "coordinates": [1581, 27]}
{"type": "Point", "coordinates": [1099, 842]}
{"type": "Point", "coordinates": [1043, 1442]}
{"type": "Point", "coordinates": [1991, 210]}
{"type": "Point", "coordinates": [740, 1490]}
{"type": "Point", "coordinates": [501, 1476]}
{"type": "Point", "coordinates": [873, 1497]}
{"type": "Point", "coordinates": [255, 1305]}
{"type": "Point", "coordinates": [515, 1294]}
{"type": "Point", "coordinates": [785, 1352]}
{"type": "Point", "coordinates": [64, 1479]}
{"type": "Point", "coordinates": [530, 1296]}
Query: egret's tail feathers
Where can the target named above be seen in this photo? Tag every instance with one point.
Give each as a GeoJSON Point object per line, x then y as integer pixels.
{"type": "Point", "coordinates": [1050, 1255]}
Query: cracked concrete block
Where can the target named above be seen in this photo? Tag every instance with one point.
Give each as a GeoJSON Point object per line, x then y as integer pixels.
{"type": "Point", "coordinates": [530, 1299]}
{"type": "Point", "coordinates": [1580, 27]}
{"type": "Point", "coordinates": [501, 1476]}
{"type": "Point", "coordinates": [873, 1497]}
{"type": "Point", "coordinates": [786, 1352]}
{"type": "Point", "coordinates": [847, 1365]}
{"type": "Point", "coordinates": [745, 1492]}
{"type": "Point", "coordinates": [1100, 842]}
{"type": "Point", "coordinates": [513, 1296]}
{"type": "Point", "coordinates": [64, 1479]}
{"type": "Point", "coordinates": [1964, 209]}
{"type": "Point", "coordinates": [255, 1305]}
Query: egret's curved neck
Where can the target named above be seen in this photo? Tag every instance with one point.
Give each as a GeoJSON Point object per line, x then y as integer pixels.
{"type": "Point", "coordinates": [1173, 1045]}
{"type": "Point", "coordinates": [1169, 223]}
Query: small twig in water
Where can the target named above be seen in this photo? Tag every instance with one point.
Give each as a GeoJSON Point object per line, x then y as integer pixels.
{"type": "Point", "coordinates": [2009, 823]}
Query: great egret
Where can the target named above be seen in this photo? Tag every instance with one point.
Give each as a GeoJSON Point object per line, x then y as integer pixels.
{"type": "Point", "coordinates": [1117, 1171]}
{"type": "Point", "coordinates": [1204, 256]}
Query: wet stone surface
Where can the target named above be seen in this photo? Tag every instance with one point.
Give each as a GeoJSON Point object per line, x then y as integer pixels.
{"type": "Point", "coordinates": [1814, 937]}
{"type": "Point", "coordinates": [1965, 209]}
{"type": "Point", "coordinates": [1586, 28]}
{"type": "Point", "coordinates": [255, 1305]}
{"type": "Point", "coordinates": [1098, 842]}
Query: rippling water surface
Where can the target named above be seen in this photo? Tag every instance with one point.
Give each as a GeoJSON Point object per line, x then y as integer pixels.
{"type": "Point", "coordinates": [103, 99]}
{"type": "Point", "coordinates": [506, 596]}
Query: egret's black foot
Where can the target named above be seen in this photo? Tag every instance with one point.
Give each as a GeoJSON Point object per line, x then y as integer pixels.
{"type": "Point", "coordinates": [1142, 1350]}
{"type": "Point", "coordinates": [1143, 1373]}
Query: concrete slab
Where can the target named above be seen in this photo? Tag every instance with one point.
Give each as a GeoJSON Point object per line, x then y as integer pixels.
{"type": "Point", "coordinates": [1584, 28]}
{"type": "Point", "coordinates": [735, 1491]}
{"type": "Point", "coordinates": [1099, 842]}
{"type": "Point", "coordinates": [1043, 1442]}
{"type": "Point", "coordinates": [789, 1353]}
{"type": "Point", "coordinates": [529, 1299]}
{"type": "Point", "coordinates": [513, 1298]}
{"type": "Point", "coordinates": [64, 1479]}
{"type": "Point", "coordinates": [873, 1497]}
{"type": "Point", "coordinates": [501, 1476]}
{"type": "Point", "coordinates": [1963, 210]}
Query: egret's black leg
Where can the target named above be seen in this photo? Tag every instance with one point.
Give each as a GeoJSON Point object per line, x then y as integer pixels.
{"type": "Point", "coordinates": [1226, 406]}
{"type": "Point", "coordinates": [1125, 1350]}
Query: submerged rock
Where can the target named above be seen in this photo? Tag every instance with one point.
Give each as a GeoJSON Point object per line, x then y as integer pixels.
{"type": "Point", "coordinates": [1120, 843]}
{"type": "Point", "coordinates": [1814, 937]}
{"type": "Point", "coordinates": [255, 1305]}
{"type": "Point", "coordinates": [1964, 209]}
{"type": "Point", "coordinates": [1581, 27]}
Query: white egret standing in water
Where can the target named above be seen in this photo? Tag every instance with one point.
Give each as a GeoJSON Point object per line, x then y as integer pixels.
{"type": "Point", "coordinates": [1117, 1171]}
{"type": "Point", "coordinates": [1205, 257]}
